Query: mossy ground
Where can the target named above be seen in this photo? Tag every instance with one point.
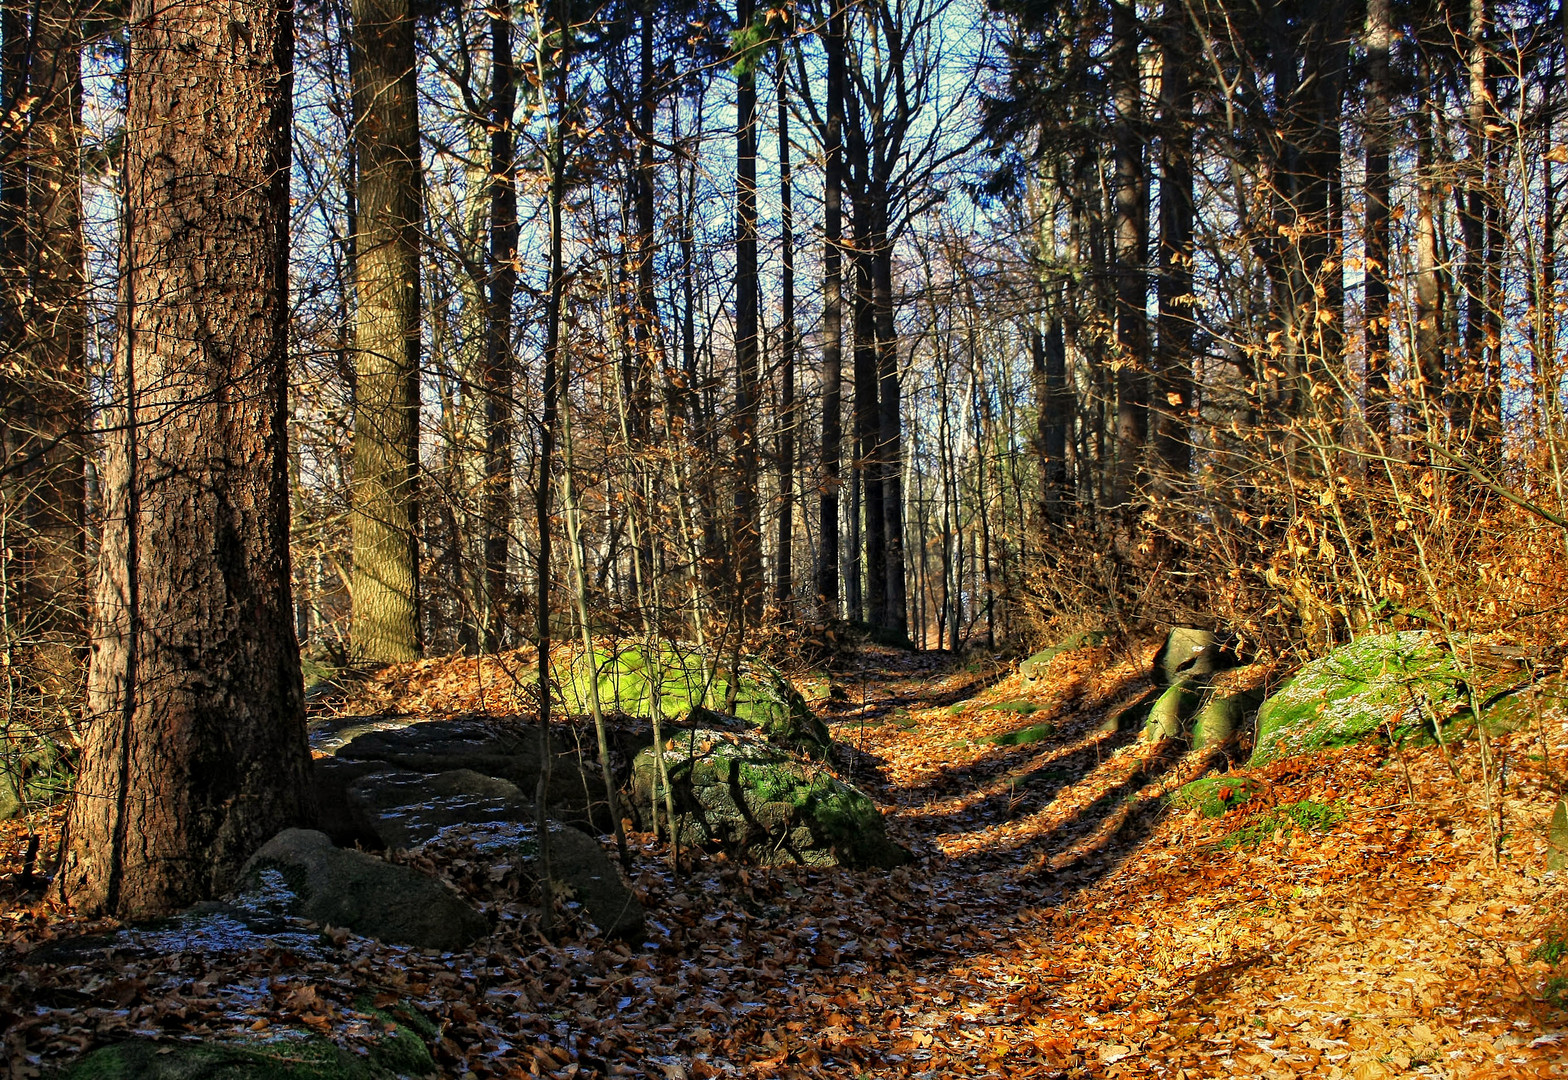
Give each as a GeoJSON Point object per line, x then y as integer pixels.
{"type": "Point", "coordinates": [1023, 736]}
{"type": "Point", "coordinates": [1212, 796]}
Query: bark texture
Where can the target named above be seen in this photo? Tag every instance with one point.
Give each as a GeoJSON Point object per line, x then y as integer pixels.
{"type": "Point", "coordinates": [196, 752]}
{"type": "Point", "coordinates": [386, 334]}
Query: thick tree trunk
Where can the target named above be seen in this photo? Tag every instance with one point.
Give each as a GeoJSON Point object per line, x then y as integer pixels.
{"type": "Point", "coordinates": [386, 334]}
{"type": "Point", "coordinates": [196, 754]}
{"type": "Point", "coordinates": [499, 365]}
{"type": "Point", "coordinates": [832, 319]}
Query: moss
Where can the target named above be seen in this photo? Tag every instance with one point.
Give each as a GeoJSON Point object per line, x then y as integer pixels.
{"type": "Point", "coordinates": [1405, 680]}
{"type": "Point", "coordinates": [1222, 716]}
{"type": "Point", "coordinates": [1304, 816]}
{"type": "Point", "coordinates": [1015, 705]}
{"type": "Point", "coordinates": [1035, 666]}
{"type": "Point", "coordinates": [764, 804]}
{"type": "Point", "coordinates": [631, 678]}
{"type": "Point", "coordinates": [295, 1056]}
{"type": "Point", "coordinates": [1023, 736]}
{"type": "Point", "coordinates": [1169, 714]}
{"type": "Point", "coordinates": [1212, 796]}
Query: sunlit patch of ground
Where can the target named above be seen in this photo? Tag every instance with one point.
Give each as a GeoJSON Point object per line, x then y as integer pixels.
{"type": "Point", "coordinates": [1062, 920]}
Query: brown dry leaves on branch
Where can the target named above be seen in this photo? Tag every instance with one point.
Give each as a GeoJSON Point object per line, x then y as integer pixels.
{"type": "Point", "coordinates": [1062, 920]}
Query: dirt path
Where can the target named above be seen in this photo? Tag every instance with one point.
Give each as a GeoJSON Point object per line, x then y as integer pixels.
{"type": "Point", "coordinates": [1061, 920]}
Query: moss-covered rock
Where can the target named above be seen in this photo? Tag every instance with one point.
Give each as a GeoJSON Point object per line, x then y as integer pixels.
{"type": "Point", "coordinates": [677, 680]}
{"type": "Point", "coordinates": [1021, 706]}
{"type": "Point", "coordinates": [1557, 838]}
{"type": "Point", "coordinates": [1023, 736]}
{"type": "Point", "coordinates": [1213, 795]}
{"type": "Point", "coordinates": [1407, 680]}
{"type": "Point", "coordinates": [1170, 712]}
{"type": "Point", "coordinates": [736, 793]}
{"type": "Point", "coordinates": [289, 1055]}
{"type": "Point", "coordinates": [1034, 667]}
{"type": "Point", "coordinates": [1222, 717]}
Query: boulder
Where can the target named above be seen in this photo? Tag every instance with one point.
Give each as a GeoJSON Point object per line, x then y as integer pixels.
{"type": "Point", "coordinates": [579, 862]}
{"type": "Point", "coordinates": [492, 748]}
{"type": "Point", "coordinates": [1557, 838]}
{"type": "Point", "coordinates": [1170, 712]}
{"type": "Point", "coordinates": [371, 897]}
{"type": "Point", "coordinates": [634, 679]}
{"type": "Point", "coordinates": [1190, 653]}
{"type": "Point", "coordinates": [737, 793]}
{"type": "Point", "coordinates": [291, 1055]}
{"type": "Point", "coordinates": [1406, 681]}
{"type": "Point", "coordinates": [1222, 717]}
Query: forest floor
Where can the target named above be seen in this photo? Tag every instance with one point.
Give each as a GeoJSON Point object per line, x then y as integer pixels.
{"type": "Point", "coordinates": [1061, 919]}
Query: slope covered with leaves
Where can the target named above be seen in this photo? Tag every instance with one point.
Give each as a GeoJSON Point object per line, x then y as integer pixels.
{"type": "Point", "coordinates": [1062, 919]}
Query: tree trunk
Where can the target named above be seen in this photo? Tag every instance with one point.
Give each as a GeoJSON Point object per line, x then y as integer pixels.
{"type": "Point", "coordinates": [386, 334]}
{"type": "Point", "coordinates": [197, 753]}
{"type": "Point", "coordinates": [748, 534]}
{"type": "Point", "coordinates": [870, 560]}
{"type": "Point", "coordinates": [1378, 140]}
{"type": "Point", "coordinates": [1172, 445]}
{"type": "Point", "coordinates": [784, 587]}
{"type": "Point", "coordinates": [1132, 287]}
{"type": "Point", "coordinates": [832, 318]}
{"type": "Point", "coordinates": [499, 365]}
{"type": "Point", "coordinates": [44, 403]}
{"type": "Point", "coordinates": [890, 456]}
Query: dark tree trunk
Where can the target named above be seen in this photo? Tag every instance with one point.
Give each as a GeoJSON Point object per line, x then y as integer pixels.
{"type": "Point", "coordinates": [43, 399]}
{"type": "Point", "coordinates": [1053, 423]}
{"type": "Point", "coordinates": [784, 585]}
{"type": "Point", "coordinates": [1173, 370]}
{"type": "Point", "coordinates": [1378, 140]}
{"type": "Point", "coordinates": [196, 753]}
{"type": "Point", "coordinates": [832, 318]}
{"type": "Point", "coordinates": [499, 364]}
{"type": "Point", "coordinates": [386, 333]}
{"type": "Point", "coordinates": [1132, 286]}
{"type": "Point", "coordinates": [748, 534]}
{"type": "Point", "coordinates": [890, 452]}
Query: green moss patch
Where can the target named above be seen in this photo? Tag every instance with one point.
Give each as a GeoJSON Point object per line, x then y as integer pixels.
{"type": "Point", "coordinates": [1304, 816]}
{"type": "Point", "coordinates": [760, 803]}
{"type": "Point", "coordinates": [1023, 736]}
{"type": "Point", "coordinates": [676, 680]}
{"type": "Point", "coordinates": [287, 1056]}
{"type": "Point", "coordinates": [1014, 705]}
{"type": "Point", "coordinates": [1212, 796]}
{"type": "Point", "coordinates": [1405, 680]}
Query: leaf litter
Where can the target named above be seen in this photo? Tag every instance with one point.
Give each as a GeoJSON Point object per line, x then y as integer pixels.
{"type": "Point", "coordinates": [1061, 920]}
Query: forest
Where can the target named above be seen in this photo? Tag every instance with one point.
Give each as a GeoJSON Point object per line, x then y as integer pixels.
{"type": "Point", "coordinates": [838, 538]}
